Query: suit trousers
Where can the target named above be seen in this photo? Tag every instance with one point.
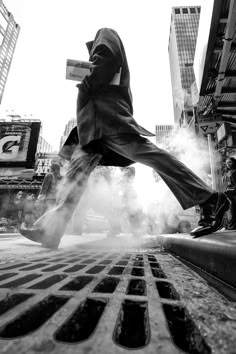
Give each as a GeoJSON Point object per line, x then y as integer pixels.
{"type": "Point", "coordinates": [187, 187]}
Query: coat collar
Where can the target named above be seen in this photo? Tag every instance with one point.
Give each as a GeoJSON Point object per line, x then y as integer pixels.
{"type": "Point", "coordinates": [89, 45]}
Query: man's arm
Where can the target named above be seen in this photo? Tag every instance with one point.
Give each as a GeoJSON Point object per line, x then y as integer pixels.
{"type": "Point", "coordinates": [105, 66]}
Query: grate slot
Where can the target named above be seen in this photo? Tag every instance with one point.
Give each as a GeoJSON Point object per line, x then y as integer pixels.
{"type": "Point", "coordinates": [137, 272]}
{"type": "Point", "coordinates": [96, 269]}
{"type": "Point", "coordinates": [116, 271]}
{"type": "Point", "coordinates": [138, 264]}
{"type": "Point", "coordinates": [20, 281]}
{"type": "Point", "coordinates": [158, 273]}
{"type": "Point", "coordinates": [15, 266]}
{"type": "Point", "coordinates": [88, 261]}
{"type": "Point", "coordinates": [58, 259]}
{"type": "Point", "coordinates": [35, 266]}
{"type": "Point", "coordinates": [136, 287]}
{"type": "Point", "coordinates": [152, 258]}
{"type": "Point", "coordinates": [138, 257]}
{"type": "Point", "coordinates": [106, 261]}
{"type": "Point", "coordinates": [7, 275]}
{"type": "Point", "coordinates": [55, 267]}
{"type": "Point", "coordinates": [126, 257]}
{"type": "Point", "coordinates": [83, 322]}
{"type": "Point", "coordinates": [73, 260]}
{"type": "Point", "coordinates": [167, 290]}
{"type": "Point", "coordinates": [33, 318]}
{"type": "Point", "coordinates": [75, 268]}
{"type": "Point", "coordinates": [132, 328]}
{"type": "Point", "coordinates": [107, 285]}
{"type": "Point", "coordinates": [46, 283]}
{"type": "Point", "coordinates": [11, 301]}
{"type": "Point", "coordinates": [78, 283]}
{"type": "Point", "coordinates": [184, 332]}
{"type": "Point", "coordinates": [155, 265]}
{"type": "Point", "coordinates": [122, 263]}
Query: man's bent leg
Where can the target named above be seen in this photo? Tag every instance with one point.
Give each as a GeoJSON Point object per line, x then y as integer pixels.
{"type": "Point", "coordinates": [50, 227]}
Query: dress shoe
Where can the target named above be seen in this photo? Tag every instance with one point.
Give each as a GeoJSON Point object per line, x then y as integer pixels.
{"type": "Point", "coordinates": [211, 215]}
{"type": "Point", "coordinates": [33, 233]}
{"type": "Point", "coordinates": [37, 235]}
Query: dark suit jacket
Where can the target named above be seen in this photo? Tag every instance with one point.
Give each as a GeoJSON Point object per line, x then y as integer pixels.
{"type": "Point", "coordinates": [104, 109]}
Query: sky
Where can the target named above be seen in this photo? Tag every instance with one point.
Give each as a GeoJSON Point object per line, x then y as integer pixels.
{"type": "Point", "coordinates": [53, 31]}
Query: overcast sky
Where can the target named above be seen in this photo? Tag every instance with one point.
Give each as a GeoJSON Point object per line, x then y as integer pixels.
{"type": "Point", "coordinates": [55, 30]}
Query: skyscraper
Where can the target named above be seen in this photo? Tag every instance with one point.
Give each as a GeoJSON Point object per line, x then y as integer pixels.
{"type": "Point", "coordinates": [163, 132]}
{"type": "Point", "coordinates": [69, 126]}
{"type": "Point", "coordinates": [9, 31]}
{"type": "Point", "coordinates": [182, 44]}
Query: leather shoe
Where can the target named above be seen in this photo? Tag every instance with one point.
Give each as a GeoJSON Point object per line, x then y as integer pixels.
{"type": "Point", "coordinates": [33, 233]}
{"type": "Point", "coordinates": [37, 235]}
{"type": "Point", "coordinates": [211, 215]}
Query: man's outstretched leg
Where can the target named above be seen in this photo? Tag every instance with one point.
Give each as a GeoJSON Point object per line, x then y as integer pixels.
{"type": "Point", "coordinates": [50, 227]}
{"type": "Point", "coordinates": [187, 187]}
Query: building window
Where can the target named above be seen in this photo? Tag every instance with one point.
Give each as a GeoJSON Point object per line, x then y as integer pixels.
{"type": "Point", "coordinates": [198, 9]}
{"type": "Point", "coordinates": [177, 11]}
{"type": "Point", "coordinates": [185, 11]}
{"type": "Point", "coordinates": [192, 10]}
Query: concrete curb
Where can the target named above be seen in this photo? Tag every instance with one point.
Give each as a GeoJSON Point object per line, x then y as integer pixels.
{"type": "Point", "coordinates": [214, 253]}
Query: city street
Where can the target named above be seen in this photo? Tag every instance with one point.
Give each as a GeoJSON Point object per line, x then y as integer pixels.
{"type": "Point", "coordinates": [108, 295]}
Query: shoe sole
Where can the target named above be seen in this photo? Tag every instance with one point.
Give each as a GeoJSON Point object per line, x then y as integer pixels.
{"type": "Point", "coordinates": [224, 204]}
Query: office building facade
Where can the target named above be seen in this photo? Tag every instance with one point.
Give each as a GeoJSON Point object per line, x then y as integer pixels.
{"type": "Point", "coordinates": [163, 132]}
{"type": "Point", "coordinates": [9, 31]}
{"type": "Point", "coordinates": [182, 44]}
{"type": "Point", "coordinates": [69, 126]}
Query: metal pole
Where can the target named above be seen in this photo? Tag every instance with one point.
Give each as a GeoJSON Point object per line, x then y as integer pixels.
{"type": "Point", "coordinates": [211, 157]}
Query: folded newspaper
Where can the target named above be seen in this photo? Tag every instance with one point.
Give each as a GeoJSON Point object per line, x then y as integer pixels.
{"type": "Point", "coordinates": [77, 70]}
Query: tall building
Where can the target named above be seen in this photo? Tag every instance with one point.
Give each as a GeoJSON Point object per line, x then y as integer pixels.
{"type": "Point", "coordinates": [162, 134]}
{"type": "Point", "coordinates": [69, 126]}
{"type": "Point", "coordinates": [9, 31]}
{"type": "Point", "coordinates": [182, 44]}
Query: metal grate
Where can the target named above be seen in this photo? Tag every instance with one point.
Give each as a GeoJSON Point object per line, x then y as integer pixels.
{"type": "Point", "coordinates": [108, 302]}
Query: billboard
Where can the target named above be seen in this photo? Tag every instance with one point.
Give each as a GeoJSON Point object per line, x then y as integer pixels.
{"type": "Point", "coordinates": [18, 144]}
{"type": "Point", "coordinates": [43, 163]}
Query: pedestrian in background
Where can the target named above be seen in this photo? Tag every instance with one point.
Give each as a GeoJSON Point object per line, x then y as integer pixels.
{"type": "Point", "coordinates": [230, 190]}
{"type": "Point", "coordinates": [28, 212]}
{"type": "Point", "coordinates": [47, 195]}
{"type": "Point", "coordinates": [15, 211]}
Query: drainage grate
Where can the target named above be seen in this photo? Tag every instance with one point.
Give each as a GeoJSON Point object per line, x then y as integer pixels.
{"type": "Point", "coordinates": [144, 300]}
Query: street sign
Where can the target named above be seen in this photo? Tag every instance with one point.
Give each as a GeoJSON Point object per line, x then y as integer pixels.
{"type": "Point", "coordinates": [209, 125]}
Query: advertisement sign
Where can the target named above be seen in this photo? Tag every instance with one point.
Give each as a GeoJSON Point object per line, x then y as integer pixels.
{"type": "Point", "coordinates": [18, 144]}
{"type": "Point", "coordinates": [43, 163]}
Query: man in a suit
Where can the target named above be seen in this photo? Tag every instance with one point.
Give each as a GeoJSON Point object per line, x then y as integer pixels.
{"type": "Point", "coordinates": [107, 134]}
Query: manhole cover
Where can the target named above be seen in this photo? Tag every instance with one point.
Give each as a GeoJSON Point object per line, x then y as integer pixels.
{"type": "Point", "coordinates": [107, 301]}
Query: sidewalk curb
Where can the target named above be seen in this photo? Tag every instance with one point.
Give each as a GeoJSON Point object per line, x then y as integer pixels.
{"type": "Point", "coordinates": [214, 253]}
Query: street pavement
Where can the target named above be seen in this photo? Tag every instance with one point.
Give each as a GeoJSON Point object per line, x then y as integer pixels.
{"type": "Point", "coordinates": [14, 246]}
